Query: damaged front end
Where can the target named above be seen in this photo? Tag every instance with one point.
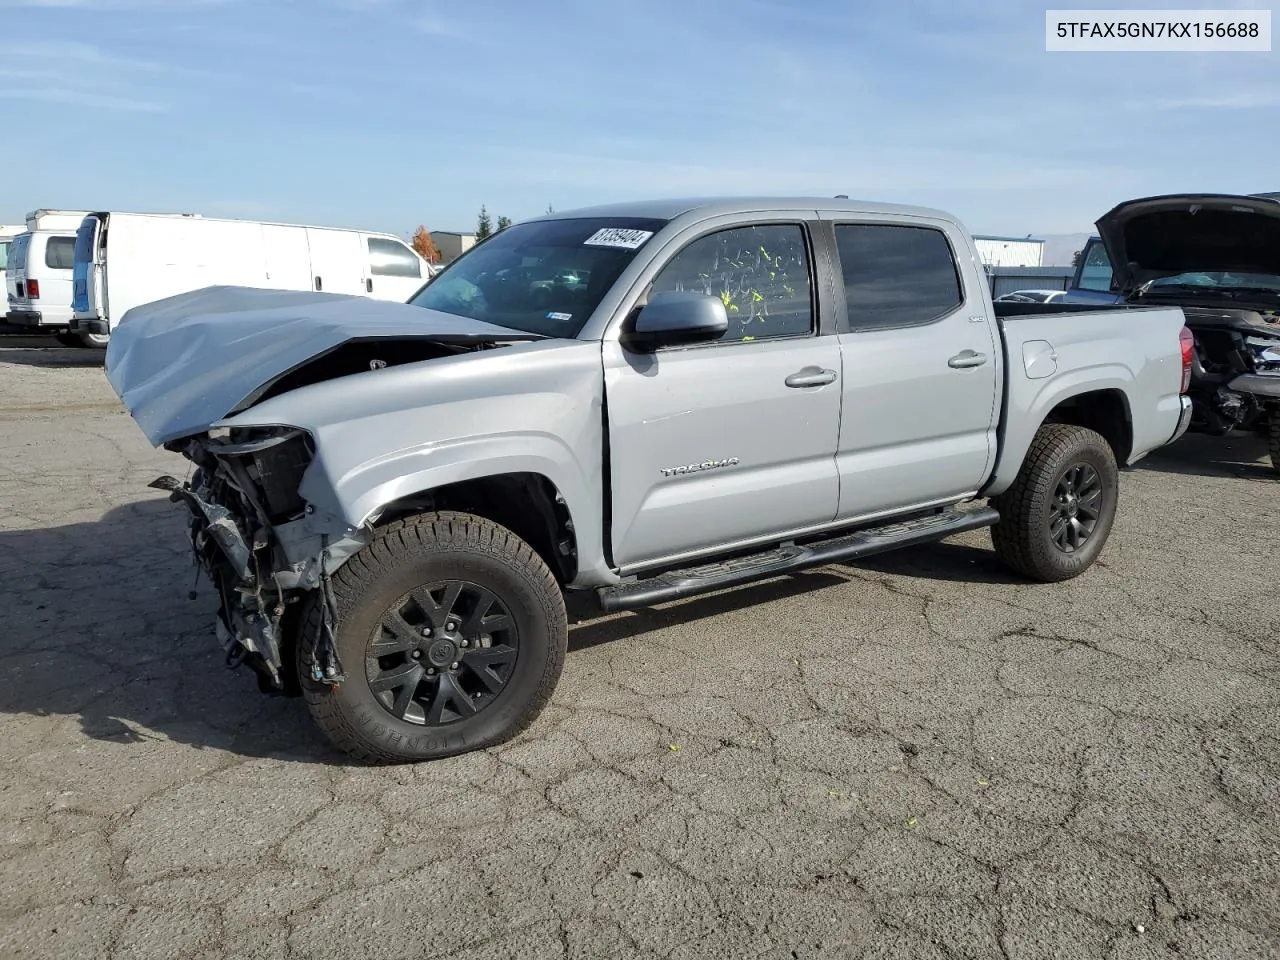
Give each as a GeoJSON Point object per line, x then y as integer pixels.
{"type": "Point", "coordinates": [264, 549]}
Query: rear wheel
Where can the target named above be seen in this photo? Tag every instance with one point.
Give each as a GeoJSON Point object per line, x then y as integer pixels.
{"type": "Point", "coordinates": [451, 633]}
{"type": "Point", "coordinates": [1057, 516]}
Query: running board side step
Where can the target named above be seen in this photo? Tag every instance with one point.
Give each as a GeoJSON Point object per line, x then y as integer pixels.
{"type": "Point", "coordinates": [678, 584]}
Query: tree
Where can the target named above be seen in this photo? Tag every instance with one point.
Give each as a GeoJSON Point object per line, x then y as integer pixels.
{"type": "Point", "coordinates": [484, 226]}
{"type": "Point", "coordinates": [425, 246]}
{"type": "Point", "coordinates": [1075, 259]}
{"type": "Point", "coordinates": [503, 223]}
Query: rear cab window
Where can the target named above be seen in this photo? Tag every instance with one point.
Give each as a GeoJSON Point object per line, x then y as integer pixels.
{"type": "Point", "coordinates": [896, 276]}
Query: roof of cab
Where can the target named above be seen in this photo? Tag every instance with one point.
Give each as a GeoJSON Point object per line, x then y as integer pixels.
{"type": "Point", "coordinates": [669, 209]}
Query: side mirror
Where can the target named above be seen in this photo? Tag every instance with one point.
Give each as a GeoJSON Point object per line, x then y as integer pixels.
{"type": "Point", "coordinates": [674, 318]}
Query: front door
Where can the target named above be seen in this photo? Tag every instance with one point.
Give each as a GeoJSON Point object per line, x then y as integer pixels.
{"type": "Point", "coordinates": [731, 441]}
{"type": "Point", "coordinates": [337, 261]}
{"type": "Point", "coordinates": [922, 364]}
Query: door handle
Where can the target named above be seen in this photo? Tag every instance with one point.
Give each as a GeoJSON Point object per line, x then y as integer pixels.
{"type": "Point", "coordinates": [811, 377]}
{"type": "Point", "coordinates": [967, 358]}
{"type": "Point", "coordinates": [368, 285]}
{"type": "Point", "coordinates": [319, 285]}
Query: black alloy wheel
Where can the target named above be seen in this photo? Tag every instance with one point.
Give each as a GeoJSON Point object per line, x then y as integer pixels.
{"type": "Point", "coordinates": [1076, 507]}
{"type": "Point", "coordinates": [442, 653]}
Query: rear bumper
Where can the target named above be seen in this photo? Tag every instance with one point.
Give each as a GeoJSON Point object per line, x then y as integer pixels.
{"type": "Point", "coordinates": [25, 318]}
{"type": "Point", "coordinates": [89, 326]}
{"type": "Point", "coordinates": [1184, 418]}
{"type": "Point", "coordinates": [1257, 384]}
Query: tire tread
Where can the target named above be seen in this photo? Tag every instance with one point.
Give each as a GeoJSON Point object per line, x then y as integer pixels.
{"type": "Point", "coordinates": [424, 533]}
{"type": "Point", "coordinates": [1016, 537]}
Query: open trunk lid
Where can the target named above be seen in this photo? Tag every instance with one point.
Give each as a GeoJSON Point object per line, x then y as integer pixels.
{"type": "Point", "coordinates": [181, 364]}
{"type": "Point", "coordinates": [1164, 236]}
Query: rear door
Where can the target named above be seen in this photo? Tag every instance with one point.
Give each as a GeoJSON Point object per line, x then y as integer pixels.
{"type": "Point", "coordinates": [337, 261]}
{"type": "Point", "coordinates": [394, 271]}
{"type": "Point", "coordinates": [16, 270]}
{"type": "Point", "coordinates": [50, 267]}
{"type": "Point", "coordinates": [732, 441]}
{"type": "Point", "coordinates": [88, 288]}
{"type": "Point", "coordinates": [922, 364]}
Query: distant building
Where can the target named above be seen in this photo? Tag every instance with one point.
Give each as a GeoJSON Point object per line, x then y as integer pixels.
{"type": "Point", "coordinates": [452, 245]}
{"type": "Point", "coordinates": [1010, 251]}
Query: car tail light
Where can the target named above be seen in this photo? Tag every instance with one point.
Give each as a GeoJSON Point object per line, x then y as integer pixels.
{"type": "Point", "coordinates": [33, 289]}
{"type": "Point", "coordinates": [1188, 342]}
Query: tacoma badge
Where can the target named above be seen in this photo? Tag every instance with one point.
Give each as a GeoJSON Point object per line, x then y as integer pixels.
{"type": "Point", "coordinates": [698, 467]}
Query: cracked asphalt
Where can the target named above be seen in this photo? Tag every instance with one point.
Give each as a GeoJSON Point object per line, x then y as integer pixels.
{"type": "Point", "coordinates": [915, 757]}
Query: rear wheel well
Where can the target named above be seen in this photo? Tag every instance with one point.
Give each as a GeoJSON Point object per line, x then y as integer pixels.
{"type": "Point", "coordinates": [527, 504]}
{"type": "Point", "coordinates": [1104, 411]}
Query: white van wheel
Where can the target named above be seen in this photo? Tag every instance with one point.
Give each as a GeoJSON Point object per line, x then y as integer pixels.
{"type": "Point", "coordinates": [95, 341]}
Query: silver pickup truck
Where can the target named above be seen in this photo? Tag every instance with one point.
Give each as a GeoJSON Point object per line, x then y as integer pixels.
{"type": "Point", "coordinates": [645, 401]}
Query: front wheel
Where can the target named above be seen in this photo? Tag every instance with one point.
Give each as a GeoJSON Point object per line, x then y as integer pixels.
{"type": "Point", "coordinates": [451, 633]}
{"type": "Point", "coordinates": [1055, 519]}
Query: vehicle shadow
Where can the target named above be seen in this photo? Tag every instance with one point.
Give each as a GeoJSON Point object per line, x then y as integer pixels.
{"type": "Point", "coordinates": [1245, 456]}
{"type": "Point", "coordinates": [53, 355]}
{"type": "Point", "coordinates": [945, 560]}
{"type": "Point", "coordinates": [102, 625]}
{"type": "Point", "coordinates": [108, 622]}
{"type": "Point", "coordinates": [588, 627]}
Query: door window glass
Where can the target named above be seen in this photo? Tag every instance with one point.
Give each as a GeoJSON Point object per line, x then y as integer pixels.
{"type": "Point", "coordinates": [59, 253]}
{"type": "Point", "coordinates": [760, 272]}
{"type": "Point", "coordinates": [1095, 270]}
{"type": "Point", "coordinates": [896, 276]}
{"type": "Point", "coordinates": [390, 259]}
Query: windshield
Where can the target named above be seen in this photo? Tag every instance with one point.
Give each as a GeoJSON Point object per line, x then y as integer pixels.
{"type": "Point", "coordinates": [544, 277]}
{"type": "Point", "coordinates": [1219, 280]}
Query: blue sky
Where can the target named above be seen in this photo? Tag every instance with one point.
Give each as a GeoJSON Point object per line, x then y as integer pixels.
{"type": "Point", "coordinates": [388, 113]}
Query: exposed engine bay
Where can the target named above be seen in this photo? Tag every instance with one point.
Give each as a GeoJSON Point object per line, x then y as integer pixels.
{"type": "Point", "coordinates": [253, 533]}
{"type": "Point", "coordinates": [1235, 373]}
{"type": "Point", "coordinates": [248, 536]}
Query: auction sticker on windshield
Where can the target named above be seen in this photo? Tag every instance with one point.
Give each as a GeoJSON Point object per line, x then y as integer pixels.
{"type": "Point", "coordinates": [618, 237]}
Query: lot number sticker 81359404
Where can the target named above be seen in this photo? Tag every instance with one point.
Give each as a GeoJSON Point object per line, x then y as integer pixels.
{"type": "Point", "coordinates": [618, 237]}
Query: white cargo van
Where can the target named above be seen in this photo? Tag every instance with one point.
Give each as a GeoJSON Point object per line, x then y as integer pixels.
{"type": "Point", "coordinates": [123, 260]}
{"type": "Point", "coordinates": [38, 271]}
{"type": "Point", "coordinates": [7, 233]}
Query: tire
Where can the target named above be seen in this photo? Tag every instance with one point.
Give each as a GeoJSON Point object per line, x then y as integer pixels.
{"type": "Point", "coordinates": [94, 341]}
{"type": "Point", "coordinates": [376, 723]}
{"type": "Point", "coordinates": [1031, 511]}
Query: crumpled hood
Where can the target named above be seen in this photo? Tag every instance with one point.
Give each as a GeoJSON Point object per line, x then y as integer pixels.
{"type": "Point", "coordinates": [1164, 236]}
{"type": "Point", "coordinates": [181, 364]}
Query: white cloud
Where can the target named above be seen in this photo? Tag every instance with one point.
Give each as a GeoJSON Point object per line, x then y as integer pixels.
{"type": "Point", "coordinates": [1236, 100]}
{"type": "Point", "coordinates": [83, 98]}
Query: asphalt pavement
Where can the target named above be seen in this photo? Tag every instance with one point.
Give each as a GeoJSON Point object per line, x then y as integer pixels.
{"type": "Point", "coordinates": [917, 757]}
